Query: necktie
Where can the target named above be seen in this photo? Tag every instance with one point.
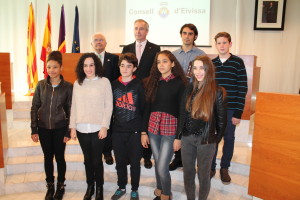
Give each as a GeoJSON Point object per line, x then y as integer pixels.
{"type": "Point", "coordinates": [100, 57]}
{"type": "Point", "coordinates": [139, 52]}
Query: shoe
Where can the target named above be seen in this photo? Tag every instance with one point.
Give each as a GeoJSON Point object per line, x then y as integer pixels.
{"type": "Point", "coordinates": [175, 164]}
{"type": "Point", "coordinates": [99, 193]}
{"type": "Point", "coordinates": [157, 198]}
{"type": "Point", "coordinates": [134, 195]}
{"type": "Point", "coordinates": [60, 191]}
{"type": "Point", "coordinates": [147, 163]}
{"type": "Point", "coordinates": [118, 194]}
{"type": "Point", "coordinates": [225, 178]}
{"type": "Point", "coordinates": [50, 191]}
{"type": "Point", "coordinates": [212, 173]}
{"type": "Point", "coordinates": [109, 159]}
{"type": "Point", "coordinates": [89, 192]}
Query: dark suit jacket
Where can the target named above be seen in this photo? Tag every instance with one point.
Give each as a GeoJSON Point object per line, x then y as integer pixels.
{"type": "Point", "coordinates": [110, 66]}
{"type": "Point", "coordinates": [147, 58]}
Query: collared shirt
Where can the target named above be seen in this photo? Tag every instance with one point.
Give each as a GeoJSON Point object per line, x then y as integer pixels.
{"type": "Point", "coordinates": [160, 122]}
{"type": "Point", "coordinates": [142, 47]}
{"type": "Point", "coordinates": [88, 128]}
{"type": "Point", "coordinates": [101, 56]}
{"type": "Point", "coordinates": [185, 58]}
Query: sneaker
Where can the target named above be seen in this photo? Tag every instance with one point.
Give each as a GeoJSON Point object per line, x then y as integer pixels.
{"type": "Point", "coordinates": [212, 173]}
{"type": "Point", "coordinates": [118, 194]}
{"type": "Point", "coordinates": [225, 178]}
{"type": "Point", "coordinates": [134, 195]}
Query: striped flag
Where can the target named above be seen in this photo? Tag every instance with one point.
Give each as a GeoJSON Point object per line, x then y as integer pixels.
{"type": "Point", "coordinates": [46, 48]}
{"type": "Point", "coordinates": [62, 32]}
{"type": "Point", "coordinates": [76, 40]}
{"type": "Point", "coordinates": [32, 76]}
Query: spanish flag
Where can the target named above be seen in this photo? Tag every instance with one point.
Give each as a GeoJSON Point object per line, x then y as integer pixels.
{"type": "Point", "coordinates": [62, 32]}
{"type": "Point", "coordinates": [46, 48]}
{"type": "Point", "coordinates": [32, 76]}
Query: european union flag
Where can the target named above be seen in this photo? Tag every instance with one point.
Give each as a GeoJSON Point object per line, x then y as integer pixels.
{"type": "Point", "coordinates": [76, 41]}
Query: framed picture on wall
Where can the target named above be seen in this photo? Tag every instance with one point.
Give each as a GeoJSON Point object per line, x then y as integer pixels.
{"type": "Point", "coordinates": [269, 15]}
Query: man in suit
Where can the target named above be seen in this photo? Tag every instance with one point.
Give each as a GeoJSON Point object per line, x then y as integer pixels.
{"type": "Point", "coordinates": [145, 52]}
{"type": "Point", "coordinates": [111, 71]}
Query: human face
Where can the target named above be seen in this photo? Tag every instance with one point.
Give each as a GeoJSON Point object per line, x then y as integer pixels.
{"type": "Point", "coordinates": [98, 43]}
{"type": "Point", "coordinates": [164, 65]}
{"type": "Point", "coordinates": [223, 46]}
{"type": "Point", "coordinates": [126, 70]}
{"type": "Point", "coordinates": [188, 36]}
{"type": "Point", "coordinates": [198, 70]}
{"type": "Point", "coordinates": [89, 68]}
{"type": "Point", "coordinates": [54, 69]}
{"type": "Point", "coordinates": [140, 31]}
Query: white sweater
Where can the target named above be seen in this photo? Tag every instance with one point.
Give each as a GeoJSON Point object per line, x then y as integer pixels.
{"type": "Point", "coordinates": [92, 103]}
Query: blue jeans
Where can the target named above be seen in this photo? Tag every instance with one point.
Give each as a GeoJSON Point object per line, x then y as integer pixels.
{"type": "Point", "coordinates": [162, 149]}
{"type": "Point", "coordinates": [192, 150]}
{"type": "Point", "coordinates": [228, 147]}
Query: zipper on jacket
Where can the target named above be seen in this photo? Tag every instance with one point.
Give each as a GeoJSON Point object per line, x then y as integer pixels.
{"type": "Point", "coordinates": [50, 107]}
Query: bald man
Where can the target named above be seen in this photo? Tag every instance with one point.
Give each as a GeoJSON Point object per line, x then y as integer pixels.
{"type": "Point", "coordinates": [109, 61]}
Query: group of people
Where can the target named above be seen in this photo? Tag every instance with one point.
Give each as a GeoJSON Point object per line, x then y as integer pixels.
{"type": "Point", "coordinates": [145, 101]}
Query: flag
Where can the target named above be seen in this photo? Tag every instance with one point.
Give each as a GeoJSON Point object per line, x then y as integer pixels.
{"type": "Point", "coordinates": [32, 76]}
{"type": "Point", "coordinates": [62, 32]}
{"type": "Point", "coordinates": [76, 40]}
{"type": "Point", "coordinates": [46, 48]}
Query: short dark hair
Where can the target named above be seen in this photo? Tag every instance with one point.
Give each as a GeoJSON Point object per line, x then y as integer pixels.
{"type": "Point", "coordinates": [79, 68]}
{"type": "Point", "coordinates": [129, 57]}
{"type": "Point", "coordinates": [190, 26]}
{"type": "Point", "coordinates": [56, 56]}
{"type": "Point", "coordinates": [223, 34]}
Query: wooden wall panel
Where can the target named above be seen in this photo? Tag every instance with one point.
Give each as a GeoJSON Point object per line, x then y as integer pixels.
{"type": "Point", "coordinates": [5, 78]}
{"type": "Point", "coordinates": [69, 65]}
{"type": "Point", "coordinates": [3, 130]}
{"type": "Point", "coordinates": [274, 171]}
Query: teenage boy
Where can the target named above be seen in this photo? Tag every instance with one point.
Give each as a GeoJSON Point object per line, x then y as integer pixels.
{"type": "Point", "coordinates": [145, 52]}
{"type": "Point", "coordinates": [129, 103]}
{"type": "Point", "coordinates": [230, 74]}
{"type": "Point", "coordinates": [185, 55]}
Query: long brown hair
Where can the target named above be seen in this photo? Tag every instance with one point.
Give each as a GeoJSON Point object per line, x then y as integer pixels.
{"type": "Point", "coordinates": [151, 83]}
{"type": "Point", "coordinates": [204, 92]}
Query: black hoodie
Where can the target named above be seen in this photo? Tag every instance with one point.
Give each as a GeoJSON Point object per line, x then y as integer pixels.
{"type": "Point", "coordinates": [129, 104]}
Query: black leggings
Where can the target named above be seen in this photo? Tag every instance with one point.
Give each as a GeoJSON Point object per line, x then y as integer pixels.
{"type": "Point", "coordinates": [92, 148]}
{"type": "Point", "coordinates": [53, 145]}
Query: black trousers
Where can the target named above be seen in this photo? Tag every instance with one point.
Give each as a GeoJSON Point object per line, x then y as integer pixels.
{"type": "Point", "coordinates": [128, 147]}
{"type": "Point", "coordinates": [92, 148]}
{"type": "Point", "coordinates": [52, 145]}
{"type": "Point", "coordinates": [108, 144]}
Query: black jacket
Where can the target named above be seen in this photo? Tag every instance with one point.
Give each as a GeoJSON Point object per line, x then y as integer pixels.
{"type": "Point", "coordinates": [211, 131]}
{"type": "Point", "coordinates": [51, 105]}
{"type": "Point", "coordinates": [129, 105]}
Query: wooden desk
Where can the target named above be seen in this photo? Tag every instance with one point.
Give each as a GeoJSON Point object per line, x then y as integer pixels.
{"type": "Point", "coordinates": [274, 170]}
{"type": "Point", "coordinates": [5, 78]}
{"type": "Point", "coordinates": [3, 131]}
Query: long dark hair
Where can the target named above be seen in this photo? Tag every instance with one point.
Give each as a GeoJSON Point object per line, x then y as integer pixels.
{"type": "Point", "coordinates": [204, 92]}
{"type": "Point", "coordinates": [151, 83]}
{"type": "Point", "coordinates": [79, 68]}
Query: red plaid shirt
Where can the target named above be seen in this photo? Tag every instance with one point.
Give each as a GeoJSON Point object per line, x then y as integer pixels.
{"type": "Point", "coordinates": [163, 123]}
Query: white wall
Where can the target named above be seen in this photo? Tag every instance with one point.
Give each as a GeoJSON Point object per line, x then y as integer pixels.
{"type": "Point", "coordinates": [278, 52]}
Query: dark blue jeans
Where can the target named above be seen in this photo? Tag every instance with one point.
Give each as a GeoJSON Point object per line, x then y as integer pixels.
{"type": "Point", "coordinates": [228, 147]}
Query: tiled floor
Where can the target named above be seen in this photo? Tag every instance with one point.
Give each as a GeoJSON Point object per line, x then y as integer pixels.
{"type": "Point", "coordinates": [19, 136]}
